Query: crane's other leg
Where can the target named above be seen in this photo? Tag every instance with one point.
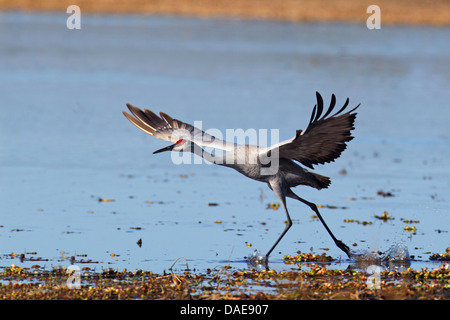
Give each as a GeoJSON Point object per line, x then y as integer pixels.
{"type": "Point", "coordinates": [339, 243]}
{"type": "Point", "coordinates": [280, 192]}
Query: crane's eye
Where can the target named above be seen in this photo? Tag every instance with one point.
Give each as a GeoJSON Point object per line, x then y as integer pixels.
{"type": "Point", "coordinates": [180, 141]}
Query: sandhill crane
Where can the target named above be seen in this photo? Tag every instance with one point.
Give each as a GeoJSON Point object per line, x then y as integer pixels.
{"type": "Point", "coordinates": [321, 142]}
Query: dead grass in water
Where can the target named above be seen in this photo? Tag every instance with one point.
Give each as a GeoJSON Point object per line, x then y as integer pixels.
{"type": "Point", "coordinates": [225, 283]}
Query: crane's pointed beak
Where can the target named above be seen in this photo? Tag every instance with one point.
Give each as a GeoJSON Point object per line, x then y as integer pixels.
{"type": "Point", "coordinates": [169, 148]}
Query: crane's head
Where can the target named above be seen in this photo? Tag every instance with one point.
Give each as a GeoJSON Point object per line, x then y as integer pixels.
{"type": "Point", "coordinates": [180, 145]}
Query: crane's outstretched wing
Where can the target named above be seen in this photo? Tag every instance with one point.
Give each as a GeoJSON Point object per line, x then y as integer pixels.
{"type": "Point", "coordinates": [169, 129]}
{"type": "Point", "coordinates": [323, 140]}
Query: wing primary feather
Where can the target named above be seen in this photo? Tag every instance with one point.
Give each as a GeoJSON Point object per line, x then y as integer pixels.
{"type": "Point", "coordinates": [169, 129]}
{"type": "Point", "coordinates": [143, 126]}
{"type": "Point", "coordinates": [154, 119]}
{"type": "Point", "coordinates": [319, 106]}
{"type": "Point", "coordinates": [168, 119]}
{"type": "Point", "coordinates": [313, 114]}
{"type": "Point", "coordinates": [331, 107]}
{"type": "Point", "coordinates": [141, 116]}
{"type": "Point", "coordinates": [342, 109]}
{"type": "Point", "coordinates": [354, 108]}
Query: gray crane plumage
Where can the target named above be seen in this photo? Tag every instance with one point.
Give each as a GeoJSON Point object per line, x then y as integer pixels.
{"type": "Point", "coordinates": [321, 142]}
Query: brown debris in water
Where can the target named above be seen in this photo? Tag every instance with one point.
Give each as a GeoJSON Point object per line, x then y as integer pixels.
{"type": "Point", "coordinates": [225, 283]}
{"type": "Point", "coordinates": [441, 256]}
{"type": "Point", "coordinates": [384, 194]}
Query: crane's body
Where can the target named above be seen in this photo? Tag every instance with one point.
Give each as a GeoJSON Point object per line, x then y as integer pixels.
{"type": "Point", "coordinates": [289, 173]}
{"type": "Point", "coordinates": [322, 141]}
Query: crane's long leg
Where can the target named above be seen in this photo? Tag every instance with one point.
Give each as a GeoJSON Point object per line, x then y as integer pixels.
{"type": "Point", "coordinates": [281, 194]}
{"type": "Point", "coordinates": [339, 243]}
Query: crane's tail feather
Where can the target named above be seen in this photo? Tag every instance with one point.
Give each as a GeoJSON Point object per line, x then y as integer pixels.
{"type": "Point", "coordinates": [321, 182]}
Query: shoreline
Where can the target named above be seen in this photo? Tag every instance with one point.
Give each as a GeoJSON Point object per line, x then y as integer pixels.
{"type": "Point", "coordinates": [416, 12]}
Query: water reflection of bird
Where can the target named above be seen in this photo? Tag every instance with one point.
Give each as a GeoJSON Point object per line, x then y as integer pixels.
{"type": "Point", "coordinates": [322, 141]}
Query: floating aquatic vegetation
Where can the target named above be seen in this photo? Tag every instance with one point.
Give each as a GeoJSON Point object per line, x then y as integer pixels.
{"type": "Point", "coordinates": [318, 282]}
{"type": "Point", "coordinates": [363, 198]}
{"type": "Point", "coordinates": [412, 229]}
{"type": "Point", "coordinates": [409, 221]}
{"type": "Point", "coordinates": [364, 223]}
{"type": "Point", "coordinates": [384, 216]}
{"type": "Point", "coordinates": [384, 194]}
{"type": "Point", "coordinates": [212, 204]}
{"type": "Point", "coordinates": [152, 202]}
{"type": "Point", "coordinates": [441, 256]}
{"type": "Point", "coordinates": [328, 206]}
{"type": "Point", "coordinates": [307, 257]}
{"type": "Point", "coordinates": [273, 206]}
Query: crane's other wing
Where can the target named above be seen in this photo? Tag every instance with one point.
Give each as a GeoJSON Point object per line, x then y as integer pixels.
{"type": "Point", "coordinates": [169, 129]}
{"type": "Point", "coordinates": [323, 140]}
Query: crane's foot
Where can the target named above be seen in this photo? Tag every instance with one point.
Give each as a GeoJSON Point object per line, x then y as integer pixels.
{"type": "Point", "coordinates": [343, 247]}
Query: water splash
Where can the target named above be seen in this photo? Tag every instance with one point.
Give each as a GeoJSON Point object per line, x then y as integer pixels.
{"type": "Point", "coordinates": [398, 253]}
{"type": "Point", "coordinates": [257, 259]}
{"type": "Point", "coordinates": [396, 257]}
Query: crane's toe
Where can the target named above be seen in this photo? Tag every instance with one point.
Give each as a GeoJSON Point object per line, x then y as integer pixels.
{"type": "Point", "coordinates": [343, 247]}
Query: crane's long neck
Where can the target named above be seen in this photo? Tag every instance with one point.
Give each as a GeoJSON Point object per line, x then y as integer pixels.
{"type": "Point", "coordinates": [243, 159]}
{"type": "Point", "coordinates": [197, 150]}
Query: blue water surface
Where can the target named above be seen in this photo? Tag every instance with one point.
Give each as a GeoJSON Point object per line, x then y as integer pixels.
{"type": "Point", "coordinates": [65, 145]}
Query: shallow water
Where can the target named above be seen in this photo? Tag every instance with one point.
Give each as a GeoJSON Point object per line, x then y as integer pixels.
{"type": "Point", "coordinates": [64, 143]}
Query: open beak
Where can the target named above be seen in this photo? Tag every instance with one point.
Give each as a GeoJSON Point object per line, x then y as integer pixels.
{"type": "Point", "coordinates": [169, 148]}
